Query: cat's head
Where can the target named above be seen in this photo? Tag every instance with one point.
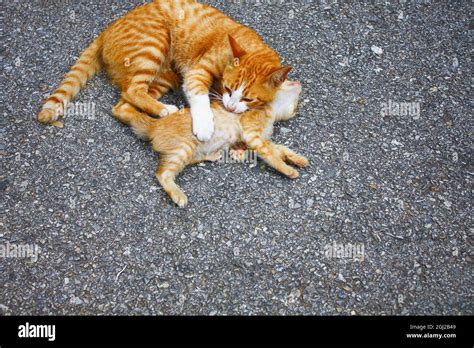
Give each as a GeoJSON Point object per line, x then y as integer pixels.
{"type": "Point", "coordinates": [284, 105]}
{"type": "Point", "coordinates": [251, 80]}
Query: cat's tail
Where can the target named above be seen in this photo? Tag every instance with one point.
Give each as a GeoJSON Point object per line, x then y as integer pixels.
{"type": "Point", "coordinates": [86, 66]}
{"type": "Point", "coordinates": [142, 125]}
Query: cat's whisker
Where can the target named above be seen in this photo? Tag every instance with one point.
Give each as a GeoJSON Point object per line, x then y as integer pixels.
{"type": "Point", "coordinates": [215, 96]}
{"type": "Point", "coordinates": [214, 91]}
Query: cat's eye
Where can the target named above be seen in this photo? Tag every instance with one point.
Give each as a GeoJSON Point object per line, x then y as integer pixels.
{"type": "Point", "coordinates": [228, 90]}
{"type": "Point", "coordinates": [247, 100]}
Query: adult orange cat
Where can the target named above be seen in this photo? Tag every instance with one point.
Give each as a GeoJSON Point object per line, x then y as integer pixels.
{"type": "Point", "coordinates": [157, 42]}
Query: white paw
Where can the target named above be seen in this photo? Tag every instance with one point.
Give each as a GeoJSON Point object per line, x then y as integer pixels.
{"type": "Point", "coordinates": [168, 110]}
{"type": "Point", "coordinates": [216, 156]}
{"type": "Point", "coordinates": [203, 122]}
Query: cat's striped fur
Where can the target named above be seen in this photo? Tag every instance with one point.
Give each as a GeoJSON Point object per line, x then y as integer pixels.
{"type": "Point", "coordinates": [172, 137]}
{"type": "Point", "coordinates": [147, 51]}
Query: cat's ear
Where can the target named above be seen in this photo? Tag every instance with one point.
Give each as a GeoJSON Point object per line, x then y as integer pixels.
{"type": "Point", "coordinates": [237, 51]}
{"type": "Point", "coordinates": [277, 77]}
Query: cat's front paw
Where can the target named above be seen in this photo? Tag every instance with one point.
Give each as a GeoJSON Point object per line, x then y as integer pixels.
{"type": "Point", "coordinates": [298, 160]}
{"type": "Point", "coordinates": [179, 198]}
{"type": "Point", "coordinates": [214, 157]}
{"type": "Point", "coordinates": [48, 116]}
{"type": "Point", "coordinates": [291, 173]}
{"type": "Point", "coordinates": [168, 110]}
{"type": "Point", "coordinates": [203, 123]}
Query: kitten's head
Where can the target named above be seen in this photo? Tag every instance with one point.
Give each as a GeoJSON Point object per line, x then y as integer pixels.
{"type": "Point", "coordinates": [284, 105]}
{"type": "Point", "coordinates": [250, 80]}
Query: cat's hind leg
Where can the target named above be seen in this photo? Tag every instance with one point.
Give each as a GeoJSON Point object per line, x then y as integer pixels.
{"type": "Point", "coordinates": [169, 167]}
{"type": "Point", "coordinates": [145, 61]}
{"type": "Point", "coordinates": [125, 112]}
{"type": "Point", "coordinates": [138, 95]}
{"type": "Point", "coordinates": [165, 81]}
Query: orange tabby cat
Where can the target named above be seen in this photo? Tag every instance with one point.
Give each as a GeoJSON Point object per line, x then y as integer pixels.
{"type": "Point", "coordinates": [146, 50]}
{"type": "Point", "coordinates": [172, 137]}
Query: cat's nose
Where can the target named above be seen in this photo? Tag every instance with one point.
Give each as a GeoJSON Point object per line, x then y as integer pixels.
{"type": "Point", "coordinates": [231, 108]}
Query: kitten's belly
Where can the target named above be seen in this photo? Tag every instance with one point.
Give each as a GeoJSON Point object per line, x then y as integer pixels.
{"type": "Point", "coordinates": [226, 132]}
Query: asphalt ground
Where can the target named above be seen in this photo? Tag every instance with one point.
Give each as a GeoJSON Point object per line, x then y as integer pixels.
{"type": "Point", "coordinates": [397, 186]}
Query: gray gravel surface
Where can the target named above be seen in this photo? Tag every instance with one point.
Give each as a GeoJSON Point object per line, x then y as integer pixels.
{"type": "Point", "coordinates": [250, 241]}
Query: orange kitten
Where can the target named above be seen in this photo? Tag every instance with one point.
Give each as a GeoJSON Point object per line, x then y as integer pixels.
{"type": "Point", "coordinates": [145, 51]}
{"type": "Point", "coordinates": [173, 138]}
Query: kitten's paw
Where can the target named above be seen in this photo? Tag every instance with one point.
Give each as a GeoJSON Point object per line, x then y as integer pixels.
{"type": "Point", "coordinates": [216, 156]}
{"type": "Point", "coordinates": [179, 198]}
{"type": "Point", "coordinates": [203, 123]}
{"type": "Point", "coordinates": [291, 157]}
{"type": "Point", "coordinates": [168, 110]}
{"type": "Point", "coordinates": [298, 160]}
{"type": "Point", "coordinates": [48, 116]}
{"type": "Point", "coordinates": [292, 173]}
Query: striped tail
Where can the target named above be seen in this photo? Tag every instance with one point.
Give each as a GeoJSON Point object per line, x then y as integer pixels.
{"type": "Point", "coordinates": [86, 66]}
